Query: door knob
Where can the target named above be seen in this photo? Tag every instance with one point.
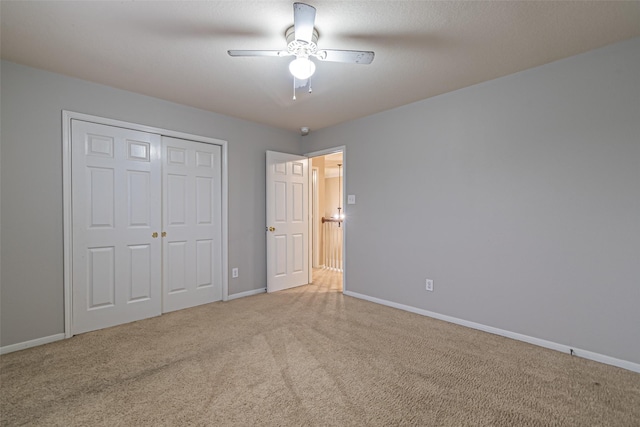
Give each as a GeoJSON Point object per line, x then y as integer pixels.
{"type": "Point", "coordinates": [164, 234]}
{"type": "Point", "coordinates": [272, 229]}
{"type": "Point", "coordinates": [155, 234]}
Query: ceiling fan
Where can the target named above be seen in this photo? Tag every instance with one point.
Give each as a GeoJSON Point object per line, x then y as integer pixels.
{"type": "Point", "coordinates": [302, 42]}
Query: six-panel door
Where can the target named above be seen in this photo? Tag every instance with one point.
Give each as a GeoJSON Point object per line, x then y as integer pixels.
{"type": "Point", "coordinates": [192, 214]}
{"type": "Point", "coordinates": [287, 221]}
{"type": "Point", "coordinates": [116, 209]}
{"type": "Point", "coordinates": [146, 225]}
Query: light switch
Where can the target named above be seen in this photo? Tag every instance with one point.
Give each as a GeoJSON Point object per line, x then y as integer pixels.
{"type": "Point", "coordinates": [351, 199]}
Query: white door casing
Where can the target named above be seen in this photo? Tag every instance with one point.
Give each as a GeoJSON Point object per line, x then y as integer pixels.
{"type": "Point", "coordinates": [116, 211]}
{"type": "Point", "coordinates": [287, 206]}
{"type": "Point", "coordinates": [192, 267]}
{"type": "Point", "coordinates": [315, 232]}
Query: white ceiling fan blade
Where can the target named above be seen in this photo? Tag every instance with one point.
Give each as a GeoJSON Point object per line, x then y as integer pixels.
{"type": "Point", "coordinates": [258, 53]}
{"type": "Point", "coordinates": [349, 56]}
{"type": "Point", "coordinates": [304, 18]}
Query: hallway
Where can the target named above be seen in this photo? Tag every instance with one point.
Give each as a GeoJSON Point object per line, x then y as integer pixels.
{"type": "Point", "coordinates": [330, 279]}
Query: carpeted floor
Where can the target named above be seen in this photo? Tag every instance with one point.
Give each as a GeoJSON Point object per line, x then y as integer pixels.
{"type": "Point", "coordinates": [307, 356]}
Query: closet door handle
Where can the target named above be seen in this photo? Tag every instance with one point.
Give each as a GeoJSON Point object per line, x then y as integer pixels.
{"type": "Point", "coordinates": [164, 234]}
{"type": "Point", "coordinates": [155, 234]}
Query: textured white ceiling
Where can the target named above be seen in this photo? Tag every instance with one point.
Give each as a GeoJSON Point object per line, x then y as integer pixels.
{"type": "Point", "coordinates": [177, 50]}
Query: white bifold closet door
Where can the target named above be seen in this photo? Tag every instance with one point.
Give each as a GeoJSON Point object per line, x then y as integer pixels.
{"type": "Point", "coordinates": [192, 266]}
{"type": "Point", "coordinates": [116, 198]}
{"type": "Point", "coordinates": [146, 225]}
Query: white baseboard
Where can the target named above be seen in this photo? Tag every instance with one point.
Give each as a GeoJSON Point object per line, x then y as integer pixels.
{"type": "Point", "coordinates": [631, 366]}
{"type": "Point", "coordinates": [46, 340]}
{"type": "Point", "coordinates": [28, 344]}
{"type": "Point", "coordinates": [247, 293]}
{"type": "Point", "coordinates": [597, 357]}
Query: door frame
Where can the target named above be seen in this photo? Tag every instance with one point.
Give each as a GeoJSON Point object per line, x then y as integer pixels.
{"type": "Point", "coordinates": [332, 150]}
{"type": "Point", "coordinates": [67, 227]}
{"type": "Point", "coordinates": [313, 190]}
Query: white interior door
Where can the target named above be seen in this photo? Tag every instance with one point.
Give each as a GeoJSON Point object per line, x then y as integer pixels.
{"type": "Point", "coordinates": [287, 221]}
{"type": "Point", "coordinates": [116, 211]}
{"type": "Point", "coordinates": [192, 247]}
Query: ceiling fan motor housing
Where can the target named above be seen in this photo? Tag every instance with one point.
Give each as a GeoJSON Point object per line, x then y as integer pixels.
{"type": "Point", "coordinates": [301, 47]}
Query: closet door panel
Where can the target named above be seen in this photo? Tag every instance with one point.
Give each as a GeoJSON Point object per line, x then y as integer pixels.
{"type": "Point", "coordinates": [116, 208]}
{"type": "Point", "coordinates": [192, 193]}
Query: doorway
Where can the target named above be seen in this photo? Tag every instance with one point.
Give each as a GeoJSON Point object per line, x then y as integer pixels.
{"type": "Point", "coordinates": [328, 219]}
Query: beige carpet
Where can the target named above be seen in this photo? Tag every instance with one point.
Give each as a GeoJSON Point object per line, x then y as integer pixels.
{"type": "Point", "coordinates": [308, 356]}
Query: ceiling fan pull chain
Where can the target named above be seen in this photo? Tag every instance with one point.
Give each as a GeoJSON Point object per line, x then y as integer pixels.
{"type": "Point", "coordinates": [294, 88]}
{"type": "Point", "coordinates": [310, 89]}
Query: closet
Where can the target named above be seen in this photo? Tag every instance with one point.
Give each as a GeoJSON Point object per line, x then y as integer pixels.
{"type": "Point", "coordinates": [146, 224]}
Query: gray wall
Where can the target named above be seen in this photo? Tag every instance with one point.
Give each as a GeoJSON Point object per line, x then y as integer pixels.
{"type": "Point", "coordinates": [31, 178]}
{"type": "Point", "coordinates": [520, 197]}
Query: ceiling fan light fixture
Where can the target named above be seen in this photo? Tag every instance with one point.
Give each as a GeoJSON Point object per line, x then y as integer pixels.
{"type": "Point", "coordinates": [302, 42]}
{"type": "Point", "coordinates": [302, 68]}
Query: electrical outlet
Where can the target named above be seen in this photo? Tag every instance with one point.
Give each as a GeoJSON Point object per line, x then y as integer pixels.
{"type": "Point", "coordinates": [234, 273]}
{"type": "Point", "coordinates": [429, 285]}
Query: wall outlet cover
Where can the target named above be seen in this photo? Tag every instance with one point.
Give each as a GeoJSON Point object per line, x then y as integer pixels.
{"type": "Point", "coordinates": [429, 285]}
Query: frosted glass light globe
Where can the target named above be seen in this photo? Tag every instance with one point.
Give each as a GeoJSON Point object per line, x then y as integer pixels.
{"type": "Point", "coordinates": [302, 68]}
